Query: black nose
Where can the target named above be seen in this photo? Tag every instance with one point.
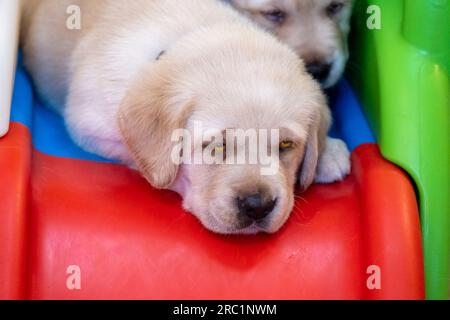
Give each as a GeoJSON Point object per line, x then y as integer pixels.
{"type": "Point", "coordinates": [320, 71]}
{"type": "Point", "coordinates": [255, 208]}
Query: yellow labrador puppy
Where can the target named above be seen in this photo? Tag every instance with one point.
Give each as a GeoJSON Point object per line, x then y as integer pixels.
{"type": "Point", "coordinates": [137, 72]}
{"type": "Point", "coordinates": [316, 29]}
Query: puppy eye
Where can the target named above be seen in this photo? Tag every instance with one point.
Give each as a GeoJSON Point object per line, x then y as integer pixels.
{"type": "Point", "coordinates": [276, 16]}
{"type": "Point", "coordinates": [334, 8]}
{"type": "Point", "coordinates": [286, 145]}
{"type": "Point", "coordinates": [219, 148]}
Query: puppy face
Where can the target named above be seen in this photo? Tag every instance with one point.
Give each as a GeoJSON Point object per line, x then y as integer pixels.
{"type": "Point", "coordinates": [316, 29]}
{"type": "Point", "coordinates": [254, 193]}
{"type": "Point", "coordinates": [215, 105]}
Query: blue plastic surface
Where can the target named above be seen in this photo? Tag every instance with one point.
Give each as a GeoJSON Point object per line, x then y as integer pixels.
{"type": "Point", "coordinates": [349, 123]}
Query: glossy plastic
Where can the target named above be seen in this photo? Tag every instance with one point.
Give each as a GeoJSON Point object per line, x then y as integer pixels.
{"type": "Point", "coordinates": [133, 242]}
{"type": "Point", "coordinates": [401, 73]}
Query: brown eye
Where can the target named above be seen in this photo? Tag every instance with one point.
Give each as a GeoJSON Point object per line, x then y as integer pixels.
{"type": "Point", "coordinates": [219, 148]}
{"type": "Point", "coordinates": [275, 15]}
{"type": "Point", "coordinates": [286, 145]}
{"type": "Point", "coordinates": [334, 8]}
{"type": "Point", "coordinates": [216, 149]}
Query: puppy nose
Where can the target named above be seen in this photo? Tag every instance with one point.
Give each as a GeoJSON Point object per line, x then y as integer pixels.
{"type": "Point", "coordinates": [320, 71]}
{"type": "Point", "coordinates": [255, 207]}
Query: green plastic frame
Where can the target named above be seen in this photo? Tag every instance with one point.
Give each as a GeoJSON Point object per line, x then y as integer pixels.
{"type": "Point", "coordinates": [401, 74]}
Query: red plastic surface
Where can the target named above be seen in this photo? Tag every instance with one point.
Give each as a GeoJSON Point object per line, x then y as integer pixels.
{"type": "Point", "coordinates": [15, 157]}
{"type": "Point", "coordinates": [131, 241]}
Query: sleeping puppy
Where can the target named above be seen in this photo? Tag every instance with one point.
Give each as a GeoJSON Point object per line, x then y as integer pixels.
{"type": "Point", "coordinates": [137, 72]}
{"type": "Point", "coordinates": [316, 29]}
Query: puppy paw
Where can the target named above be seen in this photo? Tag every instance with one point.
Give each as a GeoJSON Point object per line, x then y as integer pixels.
{"type": "Point", "coordinates": [334, 163]}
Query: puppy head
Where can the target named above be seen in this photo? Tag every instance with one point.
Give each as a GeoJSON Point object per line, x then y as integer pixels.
{"type": "Point", "coordinates": [223, 107]}
{"type": "Point", "coordinates": [316, 29]}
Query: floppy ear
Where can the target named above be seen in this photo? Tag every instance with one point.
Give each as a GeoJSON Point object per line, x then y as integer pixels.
{"type": "Point", "coordinates": [148, 116]}
{"type": "Point", "coordinates": [316, 141]}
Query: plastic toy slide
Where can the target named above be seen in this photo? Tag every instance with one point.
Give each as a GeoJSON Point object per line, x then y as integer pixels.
{"type": "Point", "coordinates": [402, 75]}
{"type": "Point", "coordinates": [63, 210]}
{"type": "Point", "coordinates": [75, 226]}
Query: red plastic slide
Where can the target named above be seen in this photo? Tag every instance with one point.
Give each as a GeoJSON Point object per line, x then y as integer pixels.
{"type": "Point", "coordinates": [359, 239]}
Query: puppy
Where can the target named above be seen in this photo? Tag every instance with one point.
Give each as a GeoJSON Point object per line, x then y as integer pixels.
{"type": "Point", "coordinates": [316, 29]}
{"type": "Point", "coordinates": [136, 72]}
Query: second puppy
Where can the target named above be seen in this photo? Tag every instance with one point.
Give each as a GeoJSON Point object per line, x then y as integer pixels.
{"type": "Point", "coordinates": [316, 29]}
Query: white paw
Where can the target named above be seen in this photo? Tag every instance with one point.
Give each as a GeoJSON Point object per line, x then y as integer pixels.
{"type": "Point", "coordinates": [334, 163]}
